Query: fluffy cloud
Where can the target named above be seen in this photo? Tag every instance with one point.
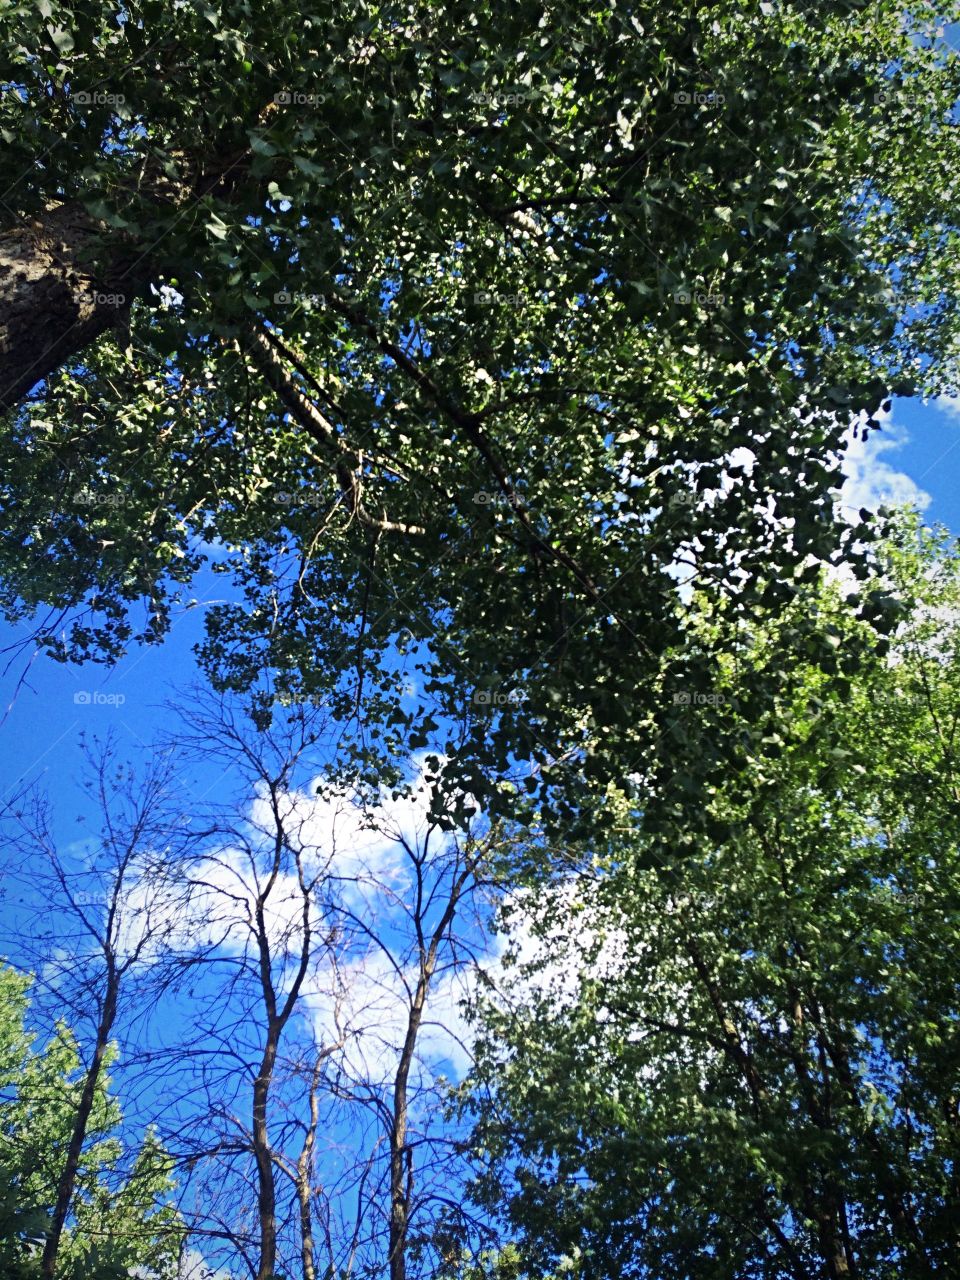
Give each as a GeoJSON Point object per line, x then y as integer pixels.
{"type": "Point", "coordinates": [362, 978]}
{"type": "Point", "coordinates": [359, 848]}
{"type": "Point", "coordinates": [870, 481]}
{"type": "Point", "coordinates": [949, 405]}
{"type": "Point", "coordinates": [365, 1003]}
{"type": "Point", "coordinates": [357, 853]}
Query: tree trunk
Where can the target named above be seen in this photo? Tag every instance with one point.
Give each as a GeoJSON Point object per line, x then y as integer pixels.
{"type": "Point", "coordinates": [401, 1175]}
{"type": "Point", "coordinates": [275, 1023]}
{"type": "Point", "coordinates": [304, 1167]}
{"type": "Point", "coordinates": [53, 299]}
{"type": "Point", "coordinates": [401, 1156]}
{"type": "Point", "coordinates": [68, 1178]}
{"type": "Point", "coordinates": [266, 1189]}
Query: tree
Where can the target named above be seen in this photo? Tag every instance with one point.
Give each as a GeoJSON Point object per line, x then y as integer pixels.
{"type": "Point", "coordinates": [271, 976]}
{"type": "Point", "coordinates": [120, 1219]}
{"type": "Point", "coordinates": [312, 942]}
{"type": "Point", "coordinates": [478, 314]}
{"type": "Point", "coordinates": [91, 937]}
{"type": "Point", "coordinates": [745, 1062]}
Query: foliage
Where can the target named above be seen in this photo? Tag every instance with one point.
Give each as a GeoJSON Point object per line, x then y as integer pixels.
{"type": "Point", "coordinates": [746, 1063]}
{"type": "Point", "coordinates": [479, 322]}
{"type": "Point", "coordinates": [119, 1220]}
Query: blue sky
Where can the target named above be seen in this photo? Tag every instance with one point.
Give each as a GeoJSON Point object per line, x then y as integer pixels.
{"type": "Point", "coordinates": [46, 705]}
{"type": "Point", "coordinates": [916, 457]}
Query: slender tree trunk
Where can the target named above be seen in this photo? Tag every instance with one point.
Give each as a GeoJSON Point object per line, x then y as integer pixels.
{"type": "Point", "coordinates": [400, 1176]}
{"type": "Point", "coordinates": [304, 1163]}
{"type": "Point", "coordinates": [68, 1177]}
{"type": "Point", "coordinates": [276, 1020]}
{"type": "Point", "coordinates": [401, 1157]}
{"type": "Point", "coordinates": [53, 300]}
{"type": "Point", "coordinates": [731, 1036]}
{"type": "Point", "coordinates": [266, 1187]}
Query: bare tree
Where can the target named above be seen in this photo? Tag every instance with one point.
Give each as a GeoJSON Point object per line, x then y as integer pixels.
{"type": "Point", "coordinates": [91, 930]}
{"type": "Point", "coordinates": [279, 966]}
{"type": "Point", "coordinates": [319, 950]}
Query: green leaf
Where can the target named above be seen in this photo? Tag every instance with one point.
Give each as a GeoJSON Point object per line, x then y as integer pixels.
{"type": "Point", "coordinates": [62, 39]}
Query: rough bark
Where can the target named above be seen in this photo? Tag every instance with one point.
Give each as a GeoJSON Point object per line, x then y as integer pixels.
{"type": "Point", "coordinates": [54, 300]}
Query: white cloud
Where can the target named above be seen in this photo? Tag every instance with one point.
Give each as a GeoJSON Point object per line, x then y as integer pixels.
{"type": "Point", "coordinates": [948, 405]}
{"type": "Point", "coordinates": [356, 851]}
{"type": "Point", "coordinates": [366, 1002]}
{"type": "Point", "coordinates": [869, 480]}
{"type": "Point", "coordinates": [360, 987]}
{"type": "Point", "coordinates": [194, 1266]}
{"type": "Point", "coordinates": [358, 847]}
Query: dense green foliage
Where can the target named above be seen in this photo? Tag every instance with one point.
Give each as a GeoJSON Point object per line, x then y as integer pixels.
{"type": "Point", "coordinates": [118, 1220]}
{"type": "Point", "coordinates": [747, 1063]}
{"type": "Point", "coordinates": [490, 366]}
{"type": "Point", "coordinates": [477, 302]}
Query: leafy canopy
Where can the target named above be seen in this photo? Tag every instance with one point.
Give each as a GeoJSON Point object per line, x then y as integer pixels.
{"type": "Point", "coordinates": [746, 1062]}
{"type": "Point", "coordinates": [477, 325]}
